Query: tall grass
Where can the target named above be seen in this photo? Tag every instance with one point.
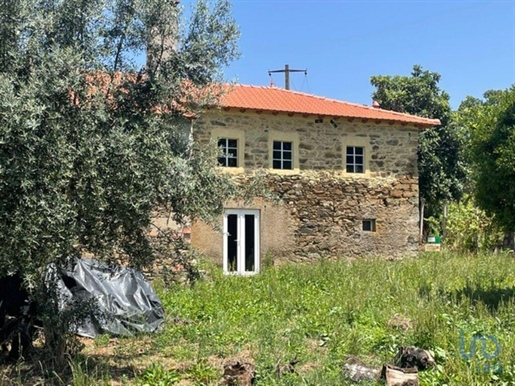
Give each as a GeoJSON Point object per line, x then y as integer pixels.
{"type": "Point", "coordinates": [321, 312]}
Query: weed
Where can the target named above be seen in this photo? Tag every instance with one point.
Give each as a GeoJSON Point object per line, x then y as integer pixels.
{"type": "Point", "coordinates": [156, 375]}
{"type": "Point", "coordinates": [316, 314]}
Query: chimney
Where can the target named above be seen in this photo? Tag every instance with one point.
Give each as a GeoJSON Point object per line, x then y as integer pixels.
{"type": "Point", "coordinates": [163, 30]}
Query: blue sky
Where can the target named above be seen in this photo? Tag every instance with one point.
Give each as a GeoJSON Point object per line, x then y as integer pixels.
{"type": "Point", "coordinates": [342, 43]}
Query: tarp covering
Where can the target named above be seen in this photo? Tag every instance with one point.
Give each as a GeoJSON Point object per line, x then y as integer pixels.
{"type": "Point", "coordinates": [126, 301]}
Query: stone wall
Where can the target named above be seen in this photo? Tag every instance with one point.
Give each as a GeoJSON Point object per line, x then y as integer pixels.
{"type": "Point", "coordinates": [321, 208]}
{"type": "Point", "coordinates": [328, 215]}
{"type": "Point", "coordinates": [392, 148]}
{"type": "Point", "coordinates": [322, 216]}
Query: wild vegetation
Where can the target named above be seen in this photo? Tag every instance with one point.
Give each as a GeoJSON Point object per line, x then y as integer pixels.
{"type": "Point", "coordinates": [93, 142]}
{"type": "Point", "coordinates": [317, 315]}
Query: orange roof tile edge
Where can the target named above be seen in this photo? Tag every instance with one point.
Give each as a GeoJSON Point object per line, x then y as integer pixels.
{"type": "Point", "coordinates": [275, 99]}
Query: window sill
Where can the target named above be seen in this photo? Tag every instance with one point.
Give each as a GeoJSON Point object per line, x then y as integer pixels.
{"type": "Point", "coordinates": [284, 172]}
{"type": "Point", "coordinates": [356, 175]}
{"type": "Point", "coordinates": [230, 170]}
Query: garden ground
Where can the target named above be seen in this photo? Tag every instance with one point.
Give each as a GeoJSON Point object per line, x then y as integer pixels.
{"type": "Point", "coordinates": [316, 315]}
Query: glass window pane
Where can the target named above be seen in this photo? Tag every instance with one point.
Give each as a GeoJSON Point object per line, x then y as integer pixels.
{"type": "Point", "coordinates": [222, 161]}
{"type": "Point", "coordinates": [358, 150]}
{"type": "Point", "coordinates": [287, 165]}
{"type": "Point", "coordinates": [286, 145]}
{"type": "Point", "coordinates": [359, 159]}
{"type": "Point", "coordinates": [277, 145]}
{"type": "Point", "coordinates": [232, 243]}
{"type": "Point", "coordinates": [277, 165]}
{"type": "Point", "coordinates": [350, 150]}
{"type": "Point", "coordinates": [250, 253]}
{"type": "Point", "coordinates": [350, 169]}
{"type": "Point", "coordinates": [287, 155]}
{"type": "Point", "coordinates": [232, 152]}
{"type": "Point", "coordinates": [222, 142]}
{"type": "Point", "coordinates": [369, 225]}
{"type": "Point", "coordinates": [232, 143]}
{"type": "Point", "coordinates": [359, 169]}
{"type": "Point", "coordinates": [277, 155]}
{"type": "Point", "coordinates": [232, 162]}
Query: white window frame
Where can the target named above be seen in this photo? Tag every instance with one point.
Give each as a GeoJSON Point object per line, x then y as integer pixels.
{"type": "Point", "coordinates": [226, 155]}
{"type": "Point", "coordinates": [284, 136]}
{"type": "Point", "coordinates": [354, 164]}
{"type": "Point", "coordinates": [231, 133]}
{"type": "Point", "coordinates": [355, 141]}
{"type": "Point", "coordinates": [240, 237]}
{"type": "Point", "coordinates": [282, 153]}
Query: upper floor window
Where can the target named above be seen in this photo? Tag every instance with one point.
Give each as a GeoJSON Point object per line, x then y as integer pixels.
{"type": "Point", "coordinates": [282, 157]}
{"type": "Point", "coordinates": [229, 149]}
{"type": "Point", "coordinates": [355, 159]}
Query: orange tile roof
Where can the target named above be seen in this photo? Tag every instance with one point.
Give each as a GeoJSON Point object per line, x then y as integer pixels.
{"type": "Point", "coordinates": [275, 99]}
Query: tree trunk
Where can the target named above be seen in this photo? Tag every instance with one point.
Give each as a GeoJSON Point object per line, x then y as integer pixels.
{"type": "Point", "coordinates": [55, 343]}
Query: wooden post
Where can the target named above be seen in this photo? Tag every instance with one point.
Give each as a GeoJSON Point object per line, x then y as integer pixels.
{"type": "Point", "coordinates": [286, 76]}
{"type": "Point", "coordinates": [287, 71]}
{"type": "Point", "coordinates": [421, 220]}
{"type": "Point", "coordinates": [444, 220]}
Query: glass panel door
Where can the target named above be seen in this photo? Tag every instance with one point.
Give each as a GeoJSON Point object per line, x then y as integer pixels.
{"type": "Point", "coordinates": [241, 241]}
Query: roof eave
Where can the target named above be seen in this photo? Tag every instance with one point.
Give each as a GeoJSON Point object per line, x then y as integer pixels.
{"type": "Point", "coordinates": [417, 123]}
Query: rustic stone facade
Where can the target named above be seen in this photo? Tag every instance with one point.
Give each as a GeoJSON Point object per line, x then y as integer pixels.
{"type": "Point", "coordinates": [321, 207]}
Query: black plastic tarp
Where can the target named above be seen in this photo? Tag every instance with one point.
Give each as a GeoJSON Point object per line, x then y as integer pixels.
{"type": "Point", "coordinates": [125, 300]}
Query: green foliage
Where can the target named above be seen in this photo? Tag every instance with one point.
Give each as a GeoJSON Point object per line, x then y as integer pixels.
{"type": "Point", "coordinates": [441, 169]}
{"type": "Point", "coordinates": [472, 114]}
{"type": "Point", "coordinates": [319, 313]}
{"type": "Point", "coordinates": [156, 375]}
{"type": "Point", "coordinates": [493, 154]}
{"type": "Point", "coordinates": [418, 94]}
{"type": "Point", "coordinates": [84, 375]}
{"type": "Point", "coordinates": [91, 143]}
{"type": "Point", "coordinates": [203, 374]}
{"type": "Point", "coordinates": [469, 229]}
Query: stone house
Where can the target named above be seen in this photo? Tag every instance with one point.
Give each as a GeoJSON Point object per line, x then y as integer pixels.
{"type": "Point", "coordinates": [345, 175]}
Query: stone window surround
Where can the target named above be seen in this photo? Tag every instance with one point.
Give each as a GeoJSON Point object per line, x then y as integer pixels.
{"type": "Point", "coordinates": [239, 135]}
{"type": "Point", "coordinates": [357, 141]}
{"type": "Point", "coordinates": [292, 137]}
{"type": "Point", "coordinates": [285, 151]}
{"type": "Point", "coordinates": [229, 148]}
{"type": "Point", "coordinates": [355, 152]}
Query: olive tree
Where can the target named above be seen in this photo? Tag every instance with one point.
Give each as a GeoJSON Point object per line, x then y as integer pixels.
{"type": "Point", "coordinates": [92, 140]}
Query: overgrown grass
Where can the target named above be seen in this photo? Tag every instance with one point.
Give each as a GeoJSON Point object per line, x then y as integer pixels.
{"type": "Point", "coordinates": [321, 312]}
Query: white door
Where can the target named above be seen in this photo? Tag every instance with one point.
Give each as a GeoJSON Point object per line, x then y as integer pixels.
{"type": "Point", "coordinates": [241, 241]}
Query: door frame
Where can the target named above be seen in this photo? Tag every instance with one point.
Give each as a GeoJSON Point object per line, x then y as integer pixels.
{"type": "Point", "coordinates": [241, 241]}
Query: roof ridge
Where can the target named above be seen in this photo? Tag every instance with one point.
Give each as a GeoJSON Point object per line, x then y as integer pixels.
{"type": "Point", "coordinates": [340, 102]}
